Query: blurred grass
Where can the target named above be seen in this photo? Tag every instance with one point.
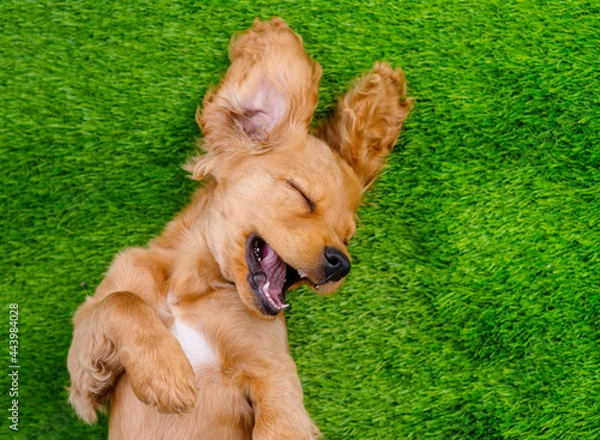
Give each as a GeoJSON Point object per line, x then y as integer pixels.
{"type": "Point", "coordinates": [473, 308]}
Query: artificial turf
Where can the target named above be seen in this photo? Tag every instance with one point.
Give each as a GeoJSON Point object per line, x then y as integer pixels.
{"type": "Point", "coordinates": [473, 307]}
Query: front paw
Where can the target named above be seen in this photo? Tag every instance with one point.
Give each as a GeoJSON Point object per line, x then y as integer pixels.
{"type": "Point", "coordinates": [161, 375]}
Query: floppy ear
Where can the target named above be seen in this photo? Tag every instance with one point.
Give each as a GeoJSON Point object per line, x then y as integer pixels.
{"type": "Point", "coordinates": [367, 122]}
{"type": "Point", "coordinates": [270, 89]}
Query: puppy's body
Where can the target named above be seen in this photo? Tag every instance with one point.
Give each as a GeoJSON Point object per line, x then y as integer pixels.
{"type": "Point", "coordinates": [186, 337]}
{"type": "Point", "coordinates": [232, 357]}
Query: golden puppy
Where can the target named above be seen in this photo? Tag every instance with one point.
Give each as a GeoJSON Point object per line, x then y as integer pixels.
{"type": "Point", "coordinates": [186, 338]}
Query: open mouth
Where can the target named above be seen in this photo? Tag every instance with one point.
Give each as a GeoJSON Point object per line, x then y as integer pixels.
{"type": "Point", "coordinates": [270, 277]}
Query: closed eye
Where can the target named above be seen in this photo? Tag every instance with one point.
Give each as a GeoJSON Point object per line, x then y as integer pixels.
{"type": "Point", "coordinates": [312, 206]}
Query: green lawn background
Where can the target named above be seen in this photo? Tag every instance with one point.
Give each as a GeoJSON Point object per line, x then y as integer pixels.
{"type": "Point", "coordinates": [473, 308]}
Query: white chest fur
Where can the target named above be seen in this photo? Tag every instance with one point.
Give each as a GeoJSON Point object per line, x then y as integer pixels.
{"type": "Point", "coordinates": [195, 345]}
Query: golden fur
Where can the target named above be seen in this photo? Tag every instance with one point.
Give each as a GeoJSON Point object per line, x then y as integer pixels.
{"type": "Point", "coordinates": [178, 337]}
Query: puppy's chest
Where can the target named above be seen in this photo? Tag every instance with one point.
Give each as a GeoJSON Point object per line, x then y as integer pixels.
{"type": "Point", "coordinates": [200, 351]}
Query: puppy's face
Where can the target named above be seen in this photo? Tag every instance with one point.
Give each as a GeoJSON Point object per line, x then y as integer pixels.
{"type": "Point", "coordinates": [284, 200]}
{"type": "Point", "coordinates": [290, 214]}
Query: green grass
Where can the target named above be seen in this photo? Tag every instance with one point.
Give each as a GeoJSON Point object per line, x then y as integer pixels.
{"type": "Point", "coordinates": [473, 308]}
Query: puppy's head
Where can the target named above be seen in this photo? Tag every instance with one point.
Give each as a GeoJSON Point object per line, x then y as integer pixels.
{"type": "Point", "coordinates": [284, 198]}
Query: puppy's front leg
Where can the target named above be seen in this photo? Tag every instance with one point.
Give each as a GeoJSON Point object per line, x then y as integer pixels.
{"type": "Point", "coordinates": [121, 332]}
{"type": "Point", "coordinates": [277, 400]}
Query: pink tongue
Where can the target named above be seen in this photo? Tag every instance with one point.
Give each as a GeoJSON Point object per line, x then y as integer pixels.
{"type": "Point", "coordinates": [275, 269]}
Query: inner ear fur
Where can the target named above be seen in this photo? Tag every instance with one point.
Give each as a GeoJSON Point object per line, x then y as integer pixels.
{"type": "Point", "coordinates": [270, 88]}
{"type": "Point", "coordinates": [367, 121]}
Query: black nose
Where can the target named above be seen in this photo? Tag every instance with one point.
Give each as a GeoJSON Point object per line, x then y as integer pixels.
{"type": "Point", "coordinates": [336, 265]}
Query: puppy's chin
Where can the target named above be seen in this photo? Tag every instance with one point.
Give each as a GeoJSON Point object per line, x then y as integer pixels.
{"type": "Point", "coordinates": [326, 288]}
